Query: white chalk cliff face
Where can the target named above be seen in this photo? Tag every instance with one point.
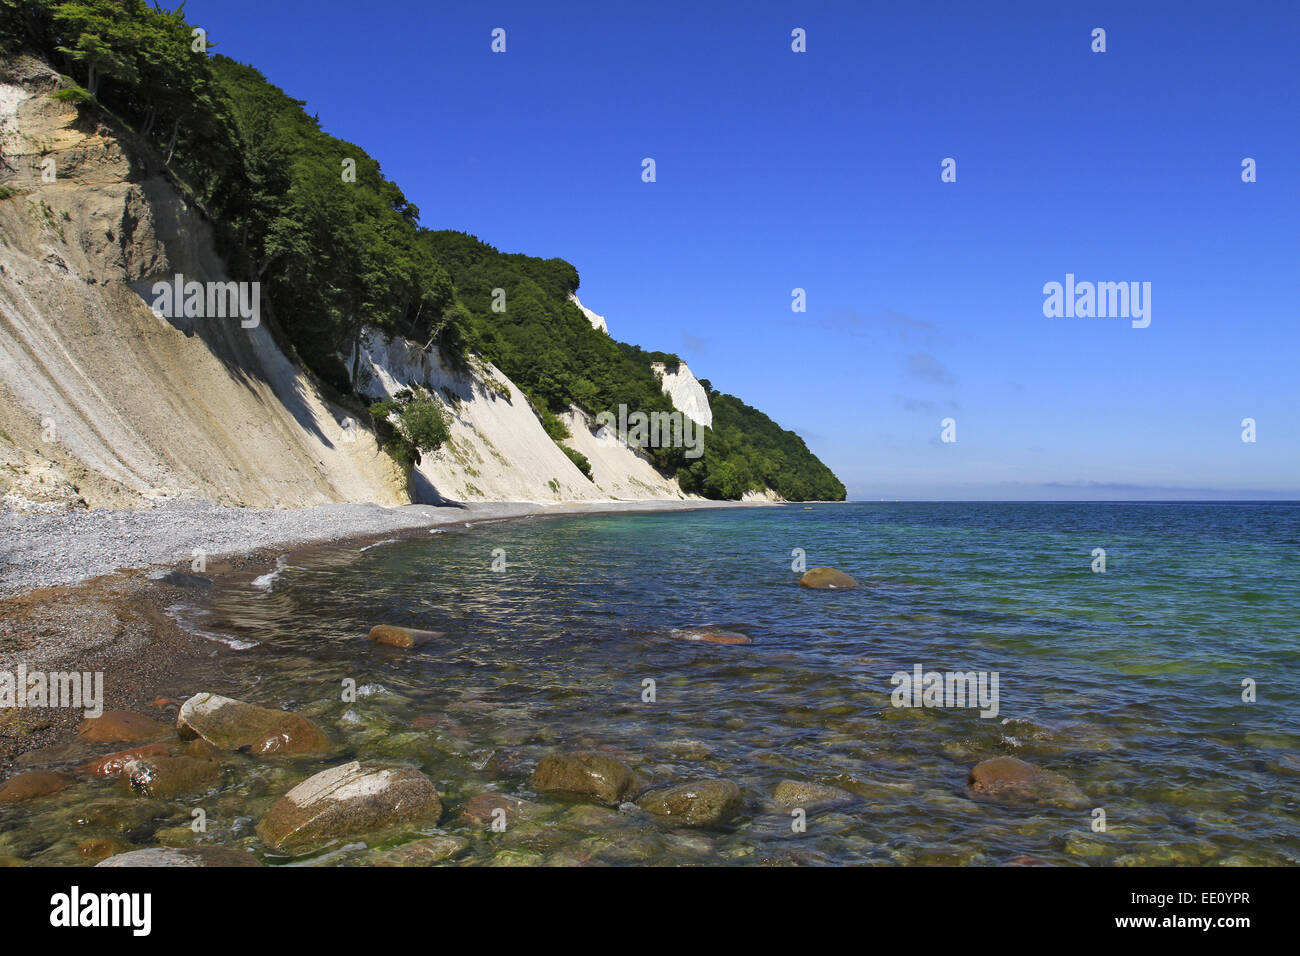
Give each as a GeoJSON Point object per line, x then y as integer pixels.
{"type": "Point", "coordinates": [104, 403]}
{"type": "Point", "coordinates": [597, 321]}
{"type": "Point", "coordinates": [498, 449]}
{"type": "Point", "coordinates": [686, 392]}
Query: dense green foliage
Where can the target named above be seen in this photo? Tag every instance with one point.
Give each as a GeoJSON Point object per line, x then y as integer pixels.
{"type": "Point", "coordinates": [410, 425]}
{"type": "Point", "coordinates": [336, 246]}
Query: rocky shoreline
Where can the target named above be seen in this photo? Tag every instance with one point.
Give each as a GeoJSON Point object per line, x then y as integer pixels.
{"type": "Point", "coordinates": [91, 590]}
{"type": "Point", "coordinates": [141, 804]}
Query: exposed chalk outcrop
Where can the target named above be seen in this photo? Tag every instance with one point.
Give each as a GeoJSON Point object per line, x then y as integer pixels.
{"type": "Point", "coordinates": [102, 402]}
{"type": "Point", "coordinates": [687, 393]}
{"type": "Point", "coordinates": [597, 321]}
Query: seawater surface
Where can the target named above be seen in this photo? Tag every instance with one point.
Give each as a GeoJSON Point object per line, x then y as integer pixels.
{"type": "Point", "coordinates": [1128, 682]}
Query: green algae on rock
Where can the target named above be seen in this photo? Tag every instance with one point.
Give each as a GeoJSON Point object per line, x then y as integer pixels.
{"type": "Point", "coordinates": [694, 804]}
{"type": "Point", "coordinates": [598, 776]}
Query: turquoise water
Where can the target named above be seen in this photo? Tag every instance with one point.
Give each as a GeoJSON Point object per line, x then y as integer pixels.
{"type": "Point", "coordinates": [1127, 682]}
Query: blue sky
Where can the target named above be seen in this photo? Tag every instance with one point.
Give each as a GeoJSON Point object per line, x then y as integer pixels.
{"type": "Point", "coordinates": [821, 171]}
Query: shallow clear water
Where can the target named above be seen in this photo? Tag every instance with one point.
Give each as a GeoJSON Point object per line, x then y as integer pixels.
{"type": "Point", "coordinates": [1129, 682]}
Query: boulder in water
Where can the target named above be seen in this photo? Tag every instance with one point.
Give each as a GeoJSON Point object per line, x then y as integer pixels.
{"type": "Point", "coordinates": [717, 637]}
{"type": "Point", "coordinates": [33, 784]}
{"type": "Point", "coordinates": [827, 579]}
{"type": "Point", "coordinates": [352, 798]}
{"type": "Point", "coordinates": [695, 804]}
{"type": "Point", "coordinates": [406, 637]}
{"type": "Point", "coordinates": [1011, 780]}
{"type": "Point", "coordinates": [805, 795]}
{"type": "Point", "coordinates": [599, 776]}
{"type": "Point", "coordinates": [234, 725]}
{"type": "Point", "coordinates": [165, 777]}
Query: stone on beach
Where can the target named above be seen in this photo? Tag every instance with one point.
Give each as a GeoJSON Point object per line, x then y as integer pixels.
{"type": "Point", "coordinates": [121, 726]}
{"type": "Point", "coordinates": [694, 804]}
{"type": "Point", "coordinates": [175, 856]}
{"type": "Point", "coordinates": [407, 637]}
{"type": "Point", "coordinates": [1014, 781]}
{"type": "Point", "coordinates": [33, 784]}
{"type": "Point", "coordinates": [599, 776]}
{"type": "Point", "coordinates": [235, 725]}
{"type": "Point", "coordinates": [827, 578]}
{"type": "Point", "coordinates": [352, 798]}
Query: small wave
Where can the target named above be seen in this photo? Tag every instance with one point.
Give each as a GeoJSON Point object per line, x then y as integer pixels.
{"type": "Point", "coordinates": [378, 543]}
{"type": "Point", "coordinates": [180, 613]}
{"type": "Point", "coordinates": [264, 582]}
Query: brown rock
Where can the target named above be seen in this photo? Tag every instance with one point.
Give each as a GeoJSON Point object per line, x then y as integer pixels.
{"type": "Point", "coordinates": [718, 637]}
{"type": "Point", "coordinates": [1011, 780]}
{"type": "Point", "coordinates": [481, 811]}
{"type": "Point", "coordinates": [407, 637]}
{"type": "Point", "coordinates": [827, 578]}
{"type": "Point", "coordinates": [101, 848]}
{"type": "Point", "coordinates": [234, 725]}
{"type": "Point", "coordinates": [349, 799]}
{"type": "Point", "coordinates": [124, 726]}
{"type": "Point", "coordinates": [33, 784]}
{"type": "Point", "coordinates": [695, 804]}
{"type": "Point", "coordinates": [111, 766]}
{"type": "Point", "coordinates": [601, 777]}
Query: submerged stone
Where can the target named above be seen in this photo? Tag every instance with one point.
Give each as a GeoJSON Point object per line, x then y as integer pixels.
{"type": "Point", "coordinates": [599, 776]}
{"type": "Point", "coordinates": [166, 777]}
{"type": "Point", "coordinates": [827, 578]}
{"type": "Point", "coordinates": [1011, 780]}
{"type": "Point", "coordinates": [487, 808]}
{"type": "Point", "coordinates": [262, 731]}
{"type": "Point", "coordinates": [112, 764]}
{"type": "Point", "coordinates": [407, 637]}
{"type": "Point", "coordinates": [694, 804]}
{"type": "Point", "coordinates": [422, 852]}
{"type": "Point", "coordinates": [801, 793]}
{"type": "Point", "coordinates": [349, 799]}
{"type": "Point", "coordinates": [187, 856]}
{"type": "Point", "coordinates": [33, 784]}
{"type": "Point", "coordinates": [121, 726]}
{"type": "Point", "coordinates": [717, 637]}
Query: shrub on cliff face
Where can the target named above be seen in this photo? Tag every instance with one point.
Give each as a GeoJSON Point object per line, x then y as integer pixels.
{"type": "Point", "coordinates": [410, 425]}
{"type": "Point", "coordinates": [579, 459]}
{"type": "Point", "coordinates": [425, 424]}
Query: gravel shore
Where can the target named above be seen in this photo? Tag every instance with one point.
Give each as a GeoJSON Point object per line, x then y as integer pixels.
{"type": "Point", "coordinates": [67, 547]}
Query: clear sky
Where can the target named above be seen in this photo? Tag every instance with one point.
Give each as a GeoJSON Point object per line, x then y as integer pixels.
{"type": "Point", "coordinates": [821, 171]}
